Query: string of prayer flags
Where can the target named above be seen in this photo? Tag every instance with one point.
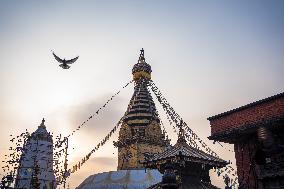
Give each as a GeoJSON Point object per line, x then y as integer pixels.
{"type": "Point", "coordinates": [96, 113]}
{"type": "Point", "coordinates": [173, 116]}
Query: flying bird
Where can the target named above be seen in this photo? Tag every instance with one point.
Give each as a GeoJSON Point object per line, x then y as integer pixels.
{"type": "Point", "coordinates": [65, 62]}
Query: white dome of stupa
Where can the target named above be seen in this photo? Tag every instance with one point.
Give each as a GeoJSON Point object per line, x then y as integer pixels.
{"type": "Point", "coordinates": [122, 179]}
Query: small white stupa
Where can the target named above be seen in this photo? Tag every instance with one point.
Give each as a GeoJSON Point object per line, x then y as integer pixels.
{"type": "Point", "coordinates": [37, 151]}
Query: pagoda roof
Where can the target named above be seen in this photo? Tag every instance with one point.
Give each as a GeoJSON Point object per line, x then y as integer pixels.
{"type": "Point", "coordinates": [189, 153]}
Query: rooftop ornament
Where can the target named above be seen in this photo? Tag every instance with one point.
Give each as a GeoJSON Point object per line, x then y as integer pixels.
{"type": "Point", "coordinates": [141, 69]}
{"type": "Point", "coordinates": [42, 123]}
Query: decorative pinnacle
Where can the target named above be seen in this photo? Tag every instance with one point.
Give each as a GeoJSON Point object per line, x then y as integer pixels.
{"type": "Point", "coordinates": [141, 69]}
{"type": "Point", "coordinates": [42, 123]}
{"type": "Point", "coordinates": [141, 57]}
{"type": "Point", "coordinates": [181, 137]}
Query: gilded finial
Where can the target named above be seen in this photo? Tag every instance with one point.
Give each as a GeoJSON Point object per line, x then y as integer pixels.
{"type": "Point", "coordinates": [141, 69]}
{"type": "Point", "coordinates": [42, 123]}
{"type": "Point", "coordinates": [142, 52]}
{"type": "Point", "coordinates": [141, 57]}
{"type": "Point", "coordinates": [181, 137]}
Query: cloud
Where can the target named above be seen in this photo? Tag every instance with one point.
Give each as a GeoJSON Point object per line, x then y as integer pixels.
{"type": "Point", "coordinates": [102, 122]}
{"type": "Point", "coordinates": [94, 165]}
{"type": "Point", "coordinates": [85, 139]}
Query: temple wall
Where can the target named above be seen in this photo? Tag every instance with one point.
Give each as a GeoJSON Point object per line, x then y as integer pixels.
{"type": "Point", "coordinates": [151, 142]}
{"type": "Point", "coordinates": [124, 132]}
{"type": "Point", "coordinates": [258, 144]}
{"type": "Point", "coordinates": [137, 155]}
{"type": "Point", "coordinates": [250, 115]}
{"type": "Point", "coordinates": [154, 131]}
{"type": "Point", "coordinates": [244, 153]}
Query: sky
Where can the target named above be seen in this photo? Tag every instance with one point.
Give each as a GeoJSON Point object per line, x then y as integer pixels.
{"type": "Point", "coordinates": [207, 57]}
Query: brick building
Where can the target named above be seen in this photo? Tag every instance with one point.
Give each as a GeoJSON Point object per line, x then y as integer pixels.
{"type": "Point", "coordinates": [257, 132]}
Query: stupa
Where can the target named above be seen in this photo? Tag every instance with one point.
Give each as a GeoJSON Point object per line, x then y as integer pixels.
{"type": "Point", "coordinates": [36, 161]}
{"type": "Point", "coordinates": [140, 136]}
{"type": "Point", "coordinates": [142, 144]}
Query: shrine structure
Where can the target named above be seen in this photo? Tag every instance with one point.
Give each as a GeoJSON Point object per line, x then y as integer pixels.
{"type": "Point", "coordinates": [257, 132]}
{"type": "Point", "coordinates": [140, 134]}
{"type": "Point", "coordinates": [184, 166]}
{"type": "Point", "coordinates": [36, 163]}
{"type": "Point", "coordinates": [141, 138]}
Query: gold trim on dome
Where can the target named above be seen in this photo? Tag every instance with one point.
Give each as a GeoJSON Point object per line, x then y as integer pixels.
{"type": "Point", "coordinates": [138, 75]}
{"type": "Point", "coordinates": [138, 114]}
{"type": "Point", "coordinates": [141, 103]}
{"type": "Point", "coordinates": [138, 121]}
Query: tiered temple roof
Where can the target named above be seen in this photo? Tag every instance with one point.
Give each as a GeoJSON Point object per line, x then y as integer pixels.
{"type": "Point", "coordinates": [190, 154]}
{"type": "Point", "coordinates": [189, 164]}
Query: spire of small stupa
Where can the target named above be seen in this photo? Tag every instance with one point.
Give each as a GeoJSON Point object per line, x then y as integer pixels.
{"type": "Point", "coordinates": [42, 123]}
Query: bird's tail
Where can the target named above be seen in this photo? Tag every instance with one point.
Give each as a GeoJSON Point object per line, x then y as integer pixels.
{"type": "Point", "coordinates": [64, 66]}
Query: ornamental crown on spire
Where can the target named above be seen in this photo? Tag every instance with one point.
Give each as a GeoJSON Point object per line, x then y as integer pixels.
{"type": "Point", "coordinates": [181, 134]}
{"type": "Point", "coordinates": [141, 57]}
{"type": "Point", "coordinates": [141, 69]}
{"type": "Point", "coordinates": [42, 123]}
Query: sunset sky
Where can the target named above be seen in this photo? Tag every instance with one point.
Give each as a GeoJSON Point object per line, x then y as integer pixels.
{"type": "Point", "coordinates": [207, 57]}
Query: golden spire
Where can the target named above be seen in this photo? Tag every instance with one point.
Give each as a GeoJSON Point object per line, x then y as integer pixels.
{"type": "Point", "coordinates": [42, 123]}
{"type": "Point", "coordinates": [141, 69]}
{"type": "Point", "coordinates": [181, 136]}
{"type": "Point", "coordinates": [141, 57]}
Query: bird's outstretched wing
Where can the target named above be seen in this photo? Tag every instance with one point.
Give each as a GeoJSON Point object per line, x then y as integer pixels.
{"type": "Point", "coordinates": [57, 58]}
{"type": "Point", "coordinates": [72, 60]}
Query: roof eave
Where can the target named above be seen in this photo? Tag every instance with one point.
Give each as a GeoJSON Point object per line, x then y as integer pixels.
{"type": "Point", "coordinates": [280, 95]}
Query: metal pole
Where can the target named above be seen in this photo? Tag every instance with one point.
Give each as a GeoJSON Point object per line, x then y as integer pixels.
{"type": "Point", "coordinates": [65, 163]}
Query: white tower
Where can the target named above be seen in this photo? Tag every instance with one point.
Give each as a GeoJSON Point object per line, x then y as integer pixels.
{"type": "Point", "coordinates": [38, 150]}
